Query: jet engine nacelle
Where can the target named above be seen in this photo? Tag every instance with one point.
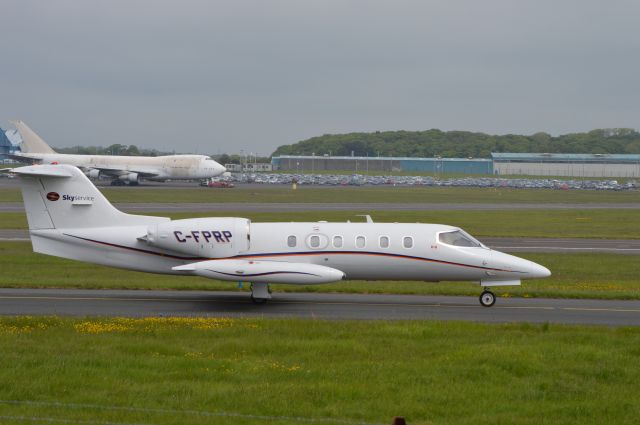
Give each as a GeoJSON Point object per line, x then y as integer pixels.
{"type": "Point", "coordinates": [131, 177]}
{"type": "Point", "coordinates": [202, 237]}
{"type": "Point", "coordinates": [93, 174]}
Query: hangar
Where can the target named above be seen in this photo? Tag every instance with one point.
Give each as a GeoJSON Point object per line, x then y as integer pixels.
{"type": "Point", "coordinates": [570, 165]}
{"type": "Point", "coordinates": [532, 164]}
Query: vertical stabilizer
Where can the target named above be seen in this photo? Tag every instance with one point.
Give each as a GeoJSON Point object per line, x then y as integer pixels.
{"type": "Point", "coordinates": [62, 197]}
{"type": "Point", "coordinates": [31, 142]}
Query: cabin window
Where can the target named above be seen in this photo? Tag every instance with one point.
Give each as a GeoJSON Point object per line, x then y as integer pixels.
{"type": "Point", "coordinates": [407, 242]}
{"type": "Point", "coordinates": [384, 241]}
{"type": "Point", "coordinates": [337, 241]}
{"type": "Point", "coordinates": [458, 238]}
{"type": "Point", "coordinates": [314, 241]}
{"type": "Point", "coordinates": [361, 242]}
{"type": "Point", "coordinates": [292, 241]}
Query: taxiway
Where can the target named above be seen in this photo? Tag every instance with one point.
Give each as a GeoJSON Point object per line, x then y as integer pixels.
{"type": "Point", "coordinates": [74, 302]}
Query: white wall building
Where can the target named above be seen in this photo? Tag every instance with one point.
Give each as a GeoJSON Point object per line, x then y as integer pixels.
{"type": "Point", "coordinates": [569, 165]}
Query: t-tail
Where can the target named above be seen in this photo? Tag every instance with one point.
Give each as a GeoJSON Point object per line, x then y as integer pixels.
{"type": "Point", "coordinates": [59, 197]}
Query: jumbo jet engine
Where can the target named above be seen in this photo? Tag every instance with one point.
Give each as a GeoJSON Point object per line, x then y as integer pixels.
{"type": "Point", "coordinates": [131, 177]}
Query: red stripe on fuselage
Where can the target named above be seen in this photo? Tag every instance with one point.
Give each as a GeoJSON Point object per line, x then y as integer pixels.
{"type": "Point", "coordinates": [292, 254]}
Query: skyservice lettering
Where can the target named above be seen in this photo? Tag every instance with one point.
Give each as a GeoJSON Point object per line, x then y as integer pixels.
{"type": "Point", "coordinates": [77, 198]}
{"type": "Point", "coordinates": [196, 235]}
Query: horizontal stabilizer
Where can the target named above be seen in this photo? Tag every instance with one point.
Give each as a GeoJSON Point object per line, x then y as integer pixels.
{"type": "Point", "coordinates": [263, 271]}
{"type": "Point", "coordinates": [43, 171]}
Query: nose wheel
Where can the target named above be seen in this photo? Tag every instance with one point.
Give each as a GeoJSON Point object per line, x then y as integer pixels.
{"type": "Point", "coordinates": [487, 298]}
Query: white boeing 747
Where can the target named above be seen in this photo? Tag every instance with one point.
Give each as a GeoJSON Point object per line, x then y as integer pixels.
{"type": "Point", "coordinates": [121, 169]}
{"type": "Point", "coordinates": [68, 217]}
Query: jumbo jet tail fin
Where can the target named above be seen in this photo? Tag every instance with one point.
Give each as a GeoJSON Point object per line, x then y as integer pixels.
{"type": "Point", "coordinates": [61, 196]}
{"type": "Point", "coordinates": [31, 142]}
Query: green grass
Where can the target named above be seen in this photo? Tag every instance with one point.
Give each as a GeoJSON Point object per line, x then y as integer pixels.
{"type": "Point", "coordinates": [176, 371]}
{"type": "Point", "coordinates": [595, 223]}
{"type": "Point", "coordinates": [273, 194]}
{"type": "Point", "coordinates": [608, 276]}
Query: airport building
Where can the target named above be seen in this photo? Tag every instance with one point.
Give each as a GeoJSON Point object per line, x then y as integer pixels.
{"type": "Point", "coordinates": [9, 143]}
{"type": "Point", "coordinates": [360, 164]}
{"type": "Point", "coordinates": [532, 164]}
{"type": "Point", "coordinates": [569, 165]}
{"type": "Point", "coordinates": [250, 167]}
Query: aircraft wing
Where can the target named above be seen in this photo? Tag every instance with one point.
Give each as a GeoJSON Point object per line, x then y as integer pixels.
{"type": "Point", "coordinates": [21, 158]}
{"type": "Point", "coordinates": [115, 172]}
{"type": "Point", "coordinates": [257, 271]}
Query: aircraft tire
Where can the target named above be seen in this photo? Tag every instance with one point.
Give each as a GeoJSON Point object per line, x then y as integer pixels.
{"type": "Point", "coordinates": [258, 300]}
{"type": "Point", "coordinates": [487, 299]}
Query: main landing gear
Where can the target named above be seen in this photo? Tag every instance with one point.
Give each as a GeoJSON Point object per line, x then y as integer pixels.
{"type": "Point", "coordinates": [487, 298]}
{"type": "Point", "coordinates": [260, 293]}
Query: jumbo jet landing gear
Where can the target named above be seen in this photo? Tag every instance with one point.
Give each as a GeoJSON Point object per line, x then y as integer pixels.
{"type": "Point", "coordinates": [260, 293]}
{"type": "Point", "coordinates": [487, 298]}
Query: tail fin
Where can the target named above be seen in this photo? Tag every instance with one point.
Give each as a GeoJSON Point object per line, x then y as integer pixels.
{"type": "Point", "coordinates": [31, 142]}
{"type": "Point", "coordinates": [61, 196]}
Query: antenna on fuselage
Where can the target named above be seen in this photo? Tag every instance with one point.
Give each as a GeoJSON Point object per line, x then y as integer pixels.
{"type": "Point", "coordinates": [367, 216]}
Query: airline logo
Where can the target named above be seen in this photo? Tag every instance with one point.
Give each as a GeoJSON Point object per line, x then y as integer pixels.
{"type": "Point", "coordinates": [54, 196]}
{"type": "Point", "coordinates": [77, 198]}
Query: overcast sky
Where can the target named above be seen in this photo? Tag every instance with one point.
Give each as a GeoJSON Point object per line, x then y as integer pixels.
{"type": "Point", "coordinates": [225, 76]}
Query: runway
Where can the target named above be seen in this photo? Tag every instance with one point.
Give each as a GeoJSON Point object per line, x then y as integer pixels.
{"type": "Point", "coordinates": [363, 207]}
{"type": "Point", "coordinates": [617, 246]}
{"type": "Point", "coordinates": [73, 302]}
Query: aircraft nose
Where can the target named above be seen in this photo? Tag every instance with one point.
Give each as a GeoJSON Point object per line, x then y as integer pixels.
{"type": "Point", "coordinates": [219, 168]}
{"type": "Point", "coordinates": [534, 270]}
{"type": "Point", "coordinates": [540, 272]}
{"type": "Point", "coordinates": [527, 269]}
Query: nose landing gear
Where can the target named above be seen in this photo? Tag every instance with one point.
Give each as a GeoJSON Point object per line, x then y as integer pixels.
{"type": "Point", "coordinates": [487, 298]}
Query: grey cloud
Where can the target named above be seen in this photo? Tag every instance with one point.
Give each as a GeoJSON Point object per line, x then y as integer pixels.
{"type": "Point", "coordinates": [231, 75]}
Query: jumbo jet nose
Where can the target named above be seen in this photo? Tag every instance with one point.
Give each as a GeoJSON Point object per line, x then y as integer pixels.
{"type": "Point", "coordinates": [219, 168]}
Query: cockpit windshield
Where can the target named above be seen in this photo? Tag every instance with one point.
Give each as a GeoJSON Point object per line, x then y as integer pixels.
{"type": "Point", "coordinates": [459, 238]}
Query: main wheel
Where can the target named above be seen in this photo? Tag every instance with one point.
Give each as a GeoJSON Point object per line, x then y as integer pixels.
{"type": "Point", "coordinates": [258, 300]}
{"type": "Point", "coordinates": [487, 299]}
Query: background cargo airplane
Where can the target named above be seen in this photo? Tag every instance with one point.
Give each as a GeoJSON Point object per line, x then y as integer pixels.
{"type": "Point", "coordinates": [68, 217]}
{"type": "Point", "coordinates": [121, 169]}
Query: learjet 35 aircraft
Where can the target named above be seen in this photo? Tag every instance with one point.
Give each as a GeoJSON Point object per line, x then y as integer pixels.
{"type": "Point", "coordinates": [68, 217]}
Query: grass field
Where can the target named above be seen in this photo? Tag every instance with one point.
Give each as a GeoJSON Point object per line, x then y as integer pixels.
{"type": "Point", "coordinates": [273, 194]}
{"type": "Point", "coordinates": [609, 276]}
{"type": "Point", "coordinates": [241, 371]}
{"type": "Point", "coordinates": [613, 224]}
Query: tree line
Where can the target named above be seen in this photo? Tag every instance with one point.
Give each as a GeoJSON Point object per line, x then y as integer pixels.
{"type": "Point", "coordinates": [115, 149]}
{"type": "Point", "coordinates": [464, 144]}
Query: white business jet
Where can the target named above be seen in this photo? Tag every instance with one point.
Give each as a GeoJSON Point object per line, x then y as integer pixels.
{"type": "Point", "coordinates": [68, 217]}
{"type": "Point", "coordinates": [121, 169]}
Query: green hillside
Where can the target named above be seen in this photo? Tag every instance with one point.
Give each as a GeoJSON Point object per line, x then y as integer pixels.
{"type": "Point", "coordinates": [463, 144]}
